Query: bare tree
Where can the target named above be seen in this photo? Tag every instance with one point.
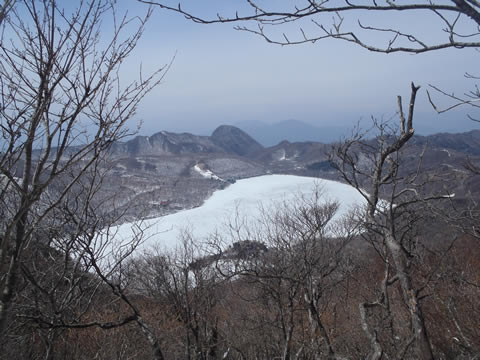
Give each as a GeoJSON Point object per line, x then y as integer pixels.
{"type": "Point", "coordinates": [375, 169]}
{"type": "Point", "coordinates": [75, 268]}
{"type": "Point", "coordinates": [62, 104]}
{"type": "Point", "coordinates": [292, 282]}
{"type": "Point", "coordinates": [458, 20]}
{"type": "Point", "coordinates": [5, 8]}
{"type": "Point", "coordinates": [187, 283]}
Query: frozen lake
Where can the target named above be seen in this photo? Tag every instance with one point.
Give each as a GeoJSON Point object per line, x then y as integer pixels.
{"type": "Point", "coordinates": [240, 201]}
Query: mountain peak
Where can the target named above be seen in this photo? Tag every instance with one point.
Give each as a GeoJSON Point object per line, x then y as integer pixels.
{"type": "Point", "coordinates": [236, 141]}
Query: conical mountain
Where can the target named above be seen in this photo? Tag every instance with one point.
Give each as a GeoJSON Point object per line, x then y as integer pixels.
{"type": "Point", "coordinates": [235, 141]}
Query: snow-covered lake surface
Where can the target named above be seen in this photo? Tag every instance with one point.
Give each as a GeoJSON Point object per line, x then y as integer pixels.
{"type": "Point", "coordinates": [242, 200]}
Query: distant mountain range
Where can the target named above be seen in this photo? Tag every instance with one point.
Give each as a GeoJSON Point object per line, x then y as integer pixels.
{"type": "Point", "coordinates": [228, 139]}
{"type": "Point", "coordinates": [292, 131]}
{"type": "Point", "coordinates": [225, 139]}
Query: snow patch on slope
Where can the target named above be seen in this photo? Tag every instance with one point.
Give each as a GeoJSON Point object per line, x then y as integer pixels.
{"type": "Point", "coordinates": [448, 152]}
{"type": "Point", "coordinates": [206, 173]}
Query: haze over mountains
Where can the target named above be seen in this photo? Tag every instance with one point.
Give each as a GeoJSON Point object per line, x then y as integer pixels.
{"type": "Point", "coordinates": [291, 130]}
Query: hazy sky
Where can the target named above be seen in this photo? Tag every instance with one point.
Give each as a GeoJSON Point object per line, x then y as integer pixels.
{"type": "Point", "coordinates": [223, 76]}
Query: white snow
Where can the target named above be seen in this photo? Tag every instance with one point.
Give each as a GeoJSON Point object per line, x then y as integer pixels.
{"type": "Point", "coordinates": [282, 155]}
{"type": "Point", "coordinates": [206, 173]}
{"type": "Point", "coordinates": [241, 200]}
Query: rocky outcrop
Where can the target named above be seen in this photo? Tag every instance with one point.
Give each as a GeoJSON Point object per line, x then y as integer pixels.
{"type": "Point", "coordinates": [164, 142]}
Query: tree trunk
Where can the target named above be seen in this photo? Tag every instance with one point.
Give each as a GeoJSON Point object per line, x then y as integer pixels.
{"type": "Point", "coordinates": [152, 339]}
{"type": "Point", "coordinates": [376, 351]}
{"type": "Point", "coordinates": [287, 349]}
{"type": "Point", "coordinates": [318, 329]}
{"type": "Point", "coordinates": [423, 348]}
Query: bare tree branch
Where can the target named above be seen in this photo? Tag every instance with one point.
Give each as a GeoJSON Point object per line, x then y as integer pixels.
{"type": "Point", "coordinates": [399, 41]}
